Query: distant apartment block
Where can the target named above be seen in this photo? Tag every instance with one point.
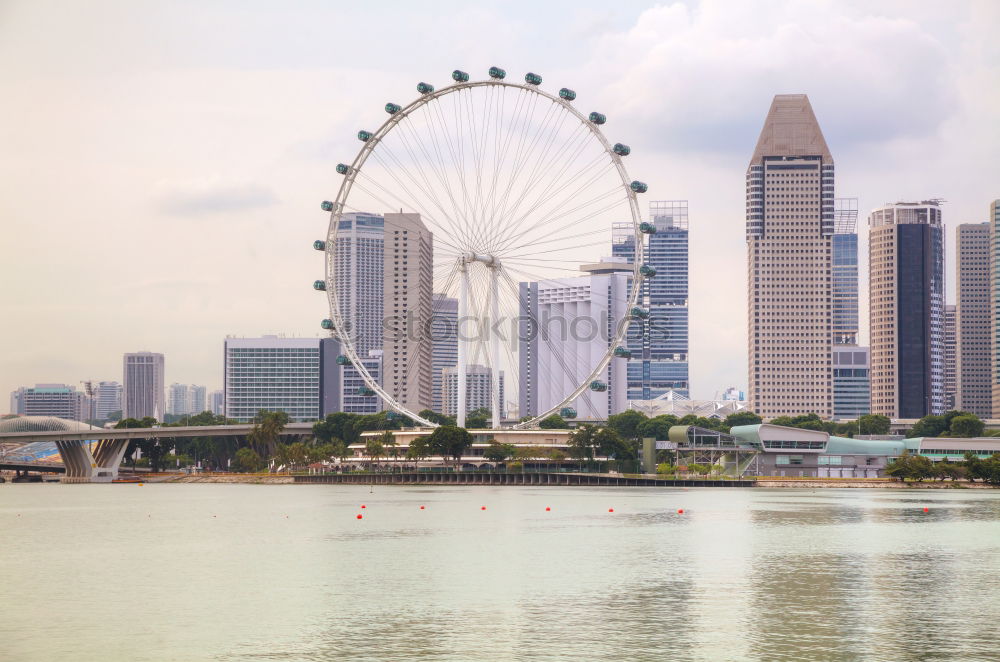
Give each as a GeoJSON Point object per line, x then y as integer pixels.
{"type": "Point", "coordinates": [59, 400]}
{"type": "Point", "coordinates": [444, 338]}
{"type": "Point", "coordinates": [950, 357]}
{"type": "Point", "coordinates": [478, 390]}
{"type": "Point", "coordinates": [109, 399]}
{"type": "Point", "coordinates": [143, 392]}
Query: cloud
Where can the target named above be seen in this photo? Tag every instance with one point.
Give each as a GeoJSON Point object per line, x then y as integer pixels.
{"type": "Point", "coordinates": [212, 196]}
{"type": "Point", "coordinates": [701, 79]}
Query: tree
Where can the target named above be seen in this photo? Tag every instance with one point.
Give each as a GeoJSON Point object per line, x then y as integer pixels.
{"type": "Point", "coordinates": [336, 426]}
{"type": "Point", "coordinates": [478, 418]}
{"type": "Point", "coordinates": [581, 443]}
{"type": "Point", "coordinates": [153, 448]}
{"type": "Point", "coordinates": [247, 460]}
{"type": "Point", "coordinates": [374, 449]}
{"type": "Point", "coordinates": [496, 452]}
{"type": "Point", "coordinates": [449, 441]}
{"type": "Point", "coordinates": [418, 450]}
{"type": "Point", "coordinates": [435, 417]}
{"type": "Point", "coordinates": [966, 425]}
{"type": "Point", "coordinates": [627, 423]}
{"type": "Point", "coordinates": [610, 443]}
{"type": "Point", "coordinates": [340, 450]}
{"type": "Point", "coordinates": [665, 468]}
{"type": "Point", "coordinates": [115, 415]}
{"type": "Point", "coordinates": [910, 466]}
{"type": "Point", "coordinates": [742, 418]}
{"type": "Point", "coordinates": [553, 422]}
{"type": "Point", "coordinates": [657, 427]}
{"type": "Point", "coordinates": [873, 424]}
{"type": "Point", "coordinates": [267, 429]}
{"type": "Point", "coordinates": [975, 467]}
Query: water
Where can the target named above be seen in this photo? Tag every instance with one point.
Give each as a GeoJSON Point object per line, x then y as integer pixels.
{"type": "Point", "coordinates": [234, 572]}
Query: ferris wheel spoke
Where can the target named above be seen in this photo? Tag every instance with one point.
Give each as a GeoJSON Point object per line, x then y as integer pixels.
{"type": "Point", "coordinates": [444, 169]}
{"type": "Point", "coordinates": [456, 147]}
{"type": "Point", "coordinates": [547, 219]}
{"type": "Point", "coordinates": [388, 205]}
{"type": "Point", "coordinates": [559, 230]}
{"type": "Point", "coordinates": [545, 195]}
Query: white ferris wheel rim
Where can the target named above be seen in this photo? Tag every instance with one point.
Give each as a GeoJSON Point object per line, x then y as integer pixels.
{"type": "Point", "coordinates": [340, 331]}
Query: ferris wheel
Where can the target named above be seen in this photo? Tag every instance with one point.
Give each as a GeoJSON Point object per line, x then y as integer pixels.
{"type": "Point", "coordinates": [515, 185]}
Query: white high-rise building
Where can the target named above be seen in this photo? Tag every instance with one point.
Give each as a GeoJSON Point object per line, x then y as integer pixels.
{"type": "Point", "coordinates": [217, 402]}
{"type": "Point", "coordinates": [566, 327]}
{"type": "Point", "coordinates": [478, 389]}
{"type": "Point", "coordinates": [198, 395]}
{"type": "Point", "coordinates": [275, 374]}
{"type": "Point", "coordinates": [789, 231]}
{"type": "Point", "coordinates": [59, 400]}
{"type": "Point", "coordinates": [179, 399]}
{"type": "Point", "coordinates": [142, 390]}
{"type": "Point", "coordinates": [109, 399]}
{"type": "Point", "coordinates": [445, 345]}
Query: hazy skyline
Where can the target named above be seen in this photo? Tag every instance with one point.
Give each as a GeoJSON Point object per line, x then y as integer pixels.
{"type": "Point", "coordinates": [163, 163]}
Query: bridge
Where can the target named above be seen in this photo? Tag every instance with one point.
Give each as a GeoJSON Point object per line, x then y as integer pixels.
{"type": "Point", "coordinates": [87, 462]}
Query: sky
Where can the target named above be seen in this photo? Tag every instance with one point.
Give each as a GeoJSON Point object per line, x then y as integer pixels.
{"type": "Point", "coordinates": [161, 163]}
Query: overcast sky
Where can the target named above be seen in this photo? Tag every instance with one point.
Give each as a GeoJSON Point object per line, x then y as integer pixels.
{"type": "Point", "coordinates": [161, 163]}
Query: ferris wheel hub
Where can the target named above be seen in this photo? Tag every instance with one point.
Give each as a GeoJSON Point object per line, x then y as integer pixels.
{"type": "Point", "coordinates": [492, 261]}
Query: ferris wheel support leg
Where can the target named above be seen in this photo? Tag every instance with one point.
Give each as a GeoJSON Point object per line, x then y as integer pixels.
{"type": "Point", "coordinates": [495, 344]}
{"type": "Point", "coordinates": [463, 312]}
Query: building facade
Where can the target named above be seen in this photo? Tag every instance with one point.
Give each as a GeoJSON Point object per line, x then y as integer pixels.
{"type": "Point", "coordinates": [851, 386]}
{"type": "Point", "coordinates": [276, 374]}
{"type": "Point", "coordinates": [143, 392]}
{"type": "Point", "coordinates": [566, 327]}
{"type": "Point", "coordinates": [217, 402]}
{"type": "Point", "coordinates": [408, 294]}
{"type": "Point", "coordinates": [59, 400]}
{"type": "Point", "coordinates": [109, 399]}
{"type": "Point", "coordinates": [478, 389]}
{"type": "Point", "coordinates": [906, 263]}
{"type": "Point", "coordinates": [950, 358]}
{"type": "Point", "coordinates": [179, 399]}
{"type": "Point", "coordinates": [789, 230]}
{"type": "Point", "coordinates": [995, 306]}
{"type": "Point", "coordinates": [972, 327]}
{"type": "Point", "coordinates": [444, 345]}
{"type": "Point", "coordinates": [659, 345]}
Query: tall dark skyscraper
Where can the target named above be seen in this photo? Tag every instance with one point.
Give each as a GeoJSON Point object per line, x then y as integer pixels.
{"type": "Point", "coordinates": [789, 230]}
{"type": "Point", "coordinates": [906, 263]}
{"type": "Point", "coordinates": [659, 345]}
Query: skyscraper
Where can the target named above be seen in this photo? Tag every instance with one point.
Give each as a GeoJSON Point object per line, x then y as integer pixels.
{"type": "Point", "coordinates": [972, 329]}
{"type": "Point", "coordinates": [408, 294]}
{"type": "Point", "coordinates": [851, 388]}
{"type": "Point", "coordinates": [445, 345]}
{"type": "Point", "coordinates": [950, 349]}
{"type": "Point", "coordinates": [142, 387]}
{"type": "Point", "coordinates": [217, 402]}
{"type": "Point", "coordinates": [198, 399]}
{"type": "Point", "coordinates": [360, 264]}
{"type": "Point", "coordinates": [906, 281]}
{"type": "Point", "coordinates": [790, 224]}
{"type": "Point", "coordinates": [478, 389]}
{"type": "Point", "coordinates": [995, 306]}
{"type": "Point", "coordinates": [659, 345]}
{"type": "Point", "coordinates": [178, 399]}
{"type": "Point", "coordinates": [109, 399]}
{"type": "Point", "coordinates": [566, 327]}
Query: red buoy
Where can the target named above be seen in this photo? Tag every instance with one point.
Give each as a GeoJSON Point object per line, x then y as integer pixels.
{"type": "Point", "coordinates": [359, 515]}
{"type": "Point", "coordinates": [611, 510]}
{"type": "Point", "coordinates": [483, 508]}
{"type": "Point", "coordinates": [926, 509]}
{"type": "Point", "coordinates": [680, 511]}
{"type": "Point", "coordinates": [363, 506]}
{"type": "Point", "coordinates": [547, 508]}
{"type": "Point", "coordinates": [421, 507]}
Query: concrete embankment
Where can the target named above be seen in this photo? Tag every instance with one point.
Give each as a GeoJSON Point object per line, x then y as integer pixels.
{"type": "Point", "coordinates": [807, 484]}
{"type": "Point", "coordinates": [253, 479]}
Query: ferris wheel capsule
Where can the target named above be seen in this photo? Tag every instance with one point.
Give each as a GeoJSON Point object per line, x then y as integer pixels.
{"type": "Point", "coordinates": [639, 187]}
{"type": "Point", "coordinates": [597, 118]}
{"type": "Point", "coordinates": [567, 94]}
{"type": "Point", "coordinates": [639, 312]}
{"type": "Point", "coordinates": [319, 285]}
{"type": "Point", "coordinates": [392, 108]}
{"type": "Point", "coordinates": [647, 271]}
{"type": "Point", "coordinates": [319, 245]}
{"type": "Point", "coordinates": [532, 79]}
{"type": "Point", "coordinates": [460, 76]}
{"type": "Point", "coordinates": [425, 88]}
{"type": "Point", "coordinates": [364, 136]}
{"type": "Point", "coordinates": [647, 228]}
{"type": "Point", "coordinates": [343, 168]}
{"type": "Point", "coordinates": [498, 73]}
{"type": "Point", "coordinates": [598, 386]}
{"type": "Point", "coordinates": [622, 353]}
{"type": "Point", "coordinates": [365, 391]}
{"type": "Point", "coordinates": [567, 412]}
{"type": "Point", "coordinates": [327, 324]}
{"type": "Point", "coordinates": [326, 205]}
{"type": "Point", "coordinates": [343, 360]}
{"type": "Point", "coordinates": [622, 150]}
